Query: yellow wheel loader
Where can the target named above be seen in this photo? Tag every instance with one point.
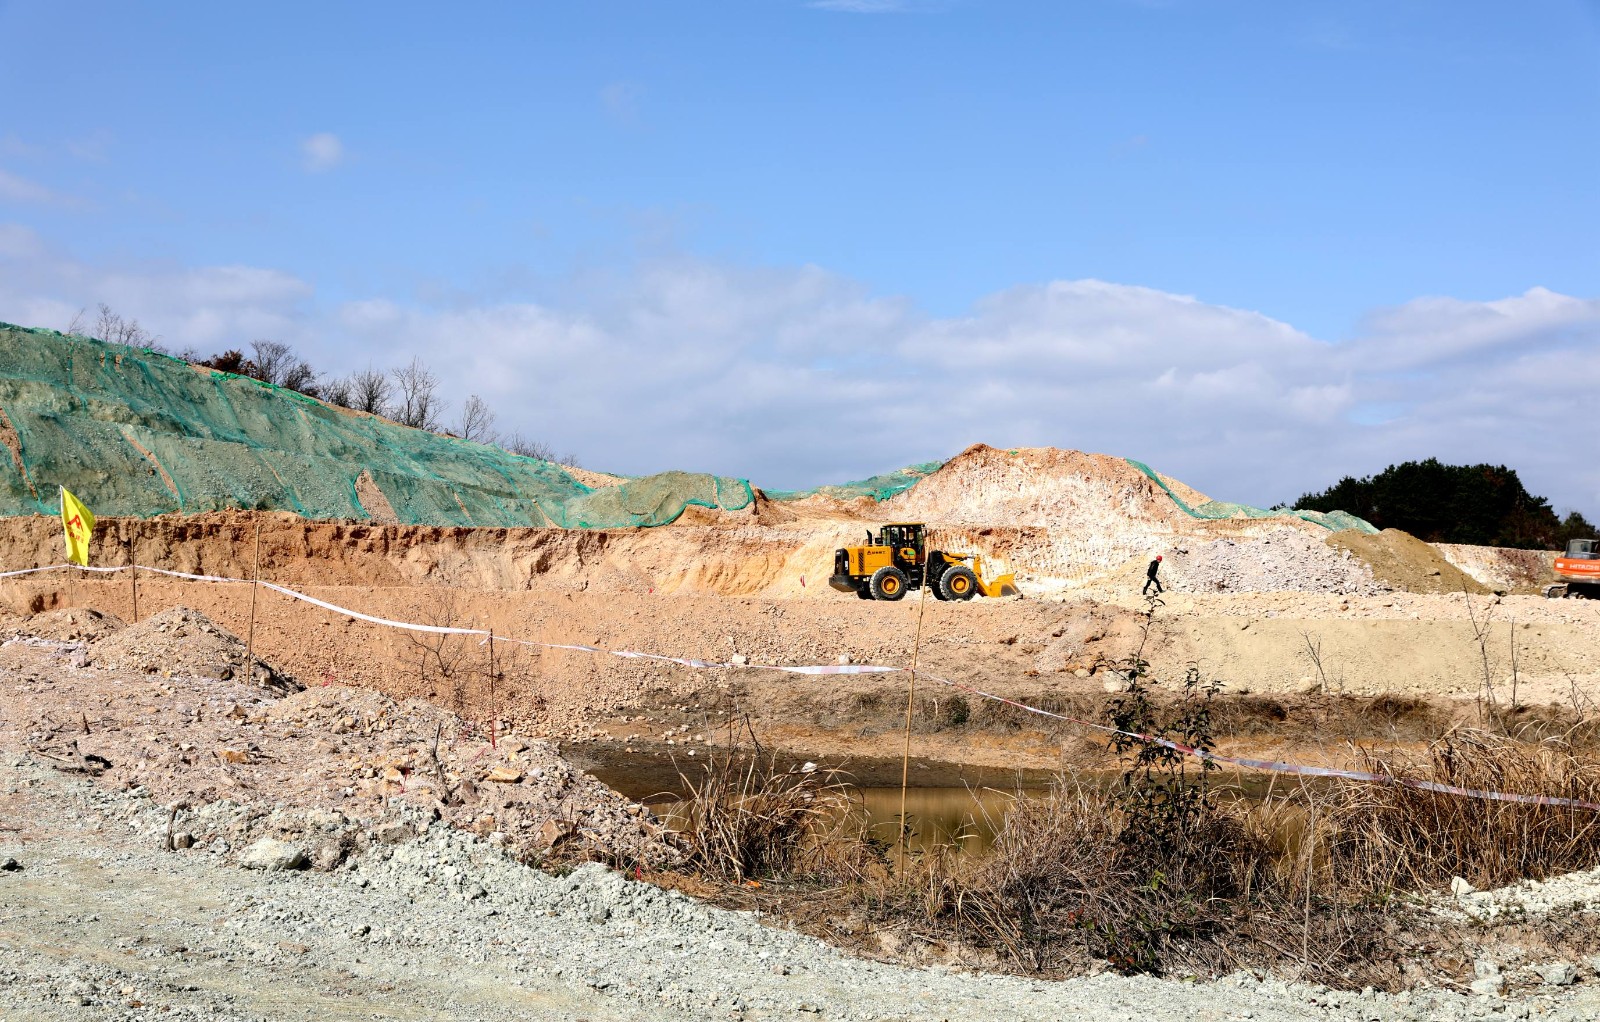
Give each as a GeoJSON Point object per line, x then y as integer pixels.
{"type": "Point", "coordinates": [897, 560]}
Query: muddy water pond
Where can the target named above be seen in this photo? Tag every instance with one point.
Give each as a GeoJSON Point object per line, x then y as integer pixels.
{"type": "Point", "coordinates": [947, 805]}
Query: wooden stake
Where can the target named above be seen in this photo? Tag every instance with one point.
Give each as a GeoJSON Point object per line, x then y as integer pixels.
{"type": "Point", "coordinates": [494, 715]}
{"type": "Point", "coordinates": [255, 585]}
{"type": "Point", "coordinates": [911, 694]}
{"type": "Point", "coordinates": [133, 571]}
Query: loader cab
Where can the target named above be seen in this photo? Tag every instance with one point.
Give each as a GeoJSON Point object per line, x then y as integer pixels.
{"type": "Point", "coordinates": [906, 540]}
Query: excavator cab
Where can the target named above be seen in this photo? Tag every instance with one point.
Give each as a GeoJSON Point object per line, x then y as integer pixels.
{"type": "Point", "coordinates": [1577, 571]}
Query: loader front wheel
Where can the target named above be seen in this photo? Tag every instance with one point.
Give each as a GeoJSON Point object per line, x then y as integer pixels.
{"type": "Point", "coordinates": [959, 583]}
{"type": "Point", "coordinates": [888, 583]}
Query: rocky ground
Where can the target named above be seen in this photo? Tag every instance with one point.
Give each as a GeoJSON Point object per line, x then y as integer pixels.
{"type": "Point", "coordinates": [100, 922]}
{"type": "Point", "coordinates": [173, 706]}
{"type": "Point", "coordinates": [186, 835]}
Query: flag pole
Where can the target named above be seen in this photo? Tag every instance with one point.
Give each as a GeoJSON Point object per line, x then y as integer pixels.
{"type": "Point", "coordinates": [72, 574]}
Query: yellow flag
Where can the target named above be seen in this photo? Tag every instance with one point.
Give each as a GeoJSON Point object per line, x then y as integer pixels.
{"type": "Point", "coordinates": [78, 524]}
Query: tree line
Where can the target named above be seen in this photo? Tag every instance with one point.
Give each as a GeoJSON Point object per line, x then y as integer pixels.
{"type": "Point", "coordinates": [1482, 505]}
{"type": "Point", "coordinates": [408, 394]}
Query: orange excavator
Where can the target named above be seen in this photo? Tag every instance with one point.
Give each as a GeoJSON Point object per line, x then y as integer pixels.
{"type": "Point", "coordinates": [1578, 571]}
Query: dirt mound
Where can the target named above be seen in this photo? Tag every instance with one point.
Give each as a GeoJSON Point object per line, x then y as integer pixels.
{"type": "Point", "coordinates": [1183, 491]}
{"type": "Point", "coordinates": [1036, 486]}
{"type": "Point", "coordinates": [73, 624]}
{"type": "Point", "coordinates": [416, 752]}
{"type": "Point", "coordinates": [358, 768]}
{"type": "Point", "coordinates": [181, 641]}
{"type": "Point", "coordinates": [1405, 562]}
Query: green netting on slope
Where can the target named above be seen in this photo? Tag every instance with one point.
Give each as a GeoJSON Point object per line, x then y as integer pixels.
{"type": "Point", "coordinates": [654, 500]}
{"type": "Point", "coordinates": [138, 433]}
{"type": "Point", "coordinates": [879, 487]}
{"type": "Point", "coordinates": [1218, 509]}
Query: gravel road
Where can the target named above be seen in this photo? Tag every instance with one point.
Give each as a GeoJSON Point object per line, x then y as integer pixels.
{"type": "Point", "coordinates": [98, 922]}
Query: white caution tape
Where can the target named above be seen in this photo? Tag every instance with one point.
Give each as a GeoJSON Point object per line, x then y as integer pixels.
{"type": "Point", "coordinates": [1272, 766]}
{"type": "Point", "coordinates": [408, 626]}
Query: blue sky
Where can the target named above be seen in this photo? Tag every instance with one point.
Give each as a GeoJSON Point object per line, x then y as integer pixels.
{"type": "Point", "coordinates": [766, 220]}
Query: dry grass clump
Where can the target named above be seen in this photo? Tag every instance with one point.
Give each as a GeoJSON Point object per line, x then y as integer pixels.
{"type": "Point", "coordinates": [1094, 872]}
{"type": "Point", "coordinates": [742, 820]}
{"type": "Point", "coordinates": [1386, 838]}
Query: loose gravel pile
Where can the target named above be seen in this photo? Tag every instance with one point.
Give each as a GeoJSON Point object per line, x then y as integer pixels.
{"type": "Point", "coordinates": [346, 756]}
{"type": "Point", "coordinates": [1284, 560]}
{"type": "Point", "coordinates": [71, 624]}
{"type": "Point", "coordinates": [181, 641]}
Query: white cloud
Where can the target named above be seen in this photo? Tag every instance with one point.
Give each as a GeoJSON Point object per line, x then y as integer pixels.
{"type": "Point", "coordinates": [23, 192]}
{"type": "Point", "coordinates": [91, 148]}
{"type": "Point", "coordinates": [321, 152]}
{"type": "Point", "coordinates": [16, 147]}
{"type": "Point", "coordinates": [206, 307]}
{"type": "Point", "coordinates": [798, 376]}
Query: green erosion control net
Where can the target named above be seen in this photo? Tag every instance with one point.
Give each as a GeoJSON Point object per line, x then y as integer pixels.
{"type": "Point", "coordinates": [137, 433]}
{"type": "Point", "coordinates": [1216, 509]}
{"type": "Point", "coordinates": [879, 487]}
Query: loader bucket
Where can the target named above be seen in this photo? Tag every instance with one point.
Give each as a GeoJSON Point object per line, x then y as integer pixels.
{"type": "Point", "coordinates": [1003, 585]}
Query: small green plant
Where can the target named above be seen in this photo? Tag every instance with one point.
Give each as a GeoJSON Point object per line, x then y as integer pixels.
{"type": "Point", "coordinates": [1171, 831]}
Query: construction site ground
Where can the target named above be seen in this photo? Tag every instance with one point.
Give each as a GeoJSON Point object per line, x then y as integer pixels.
{"type": "Point", "coordinates": [406, 769]}
{"type": "Point", "coordinates": [1285, 660]}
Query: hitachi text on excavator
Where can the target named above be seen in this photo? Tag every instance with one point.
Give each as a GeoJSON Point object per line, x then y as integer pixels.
{"type": "Point", "coordinates": [1577, 571]}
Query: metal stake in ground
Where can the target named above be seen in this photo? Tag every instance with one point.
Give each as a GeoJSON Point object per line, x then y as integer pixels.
{"type": "Point", "coordinates": [255, 585]}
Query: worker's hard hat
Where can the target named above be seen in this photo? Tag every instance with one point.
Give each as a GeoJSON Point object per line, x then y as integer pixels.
{"type": "Point", "coordinates": [1158, 557]}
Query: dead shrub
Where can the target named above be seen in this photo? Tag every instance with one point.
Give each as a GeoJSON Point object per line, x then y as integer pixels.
{"type": "Point", "coordinates": [1383, 838]}
{"type": "Point", "coordinates": [748, 819]}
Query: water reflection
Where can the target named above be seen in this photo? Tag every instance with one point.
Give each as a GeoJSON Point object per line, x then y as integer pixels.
{"type": "Point", "coordinates": [963, 819]}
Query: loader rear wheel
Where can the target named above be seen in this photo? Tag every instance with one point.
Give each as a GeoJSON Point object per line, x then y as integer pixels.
{"type": "Point", "coordinates": [959, 583]}
{"type": "Point", "coordinates": [863, 593]}
{"type": "Point", "coordinates": [888, 583]}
